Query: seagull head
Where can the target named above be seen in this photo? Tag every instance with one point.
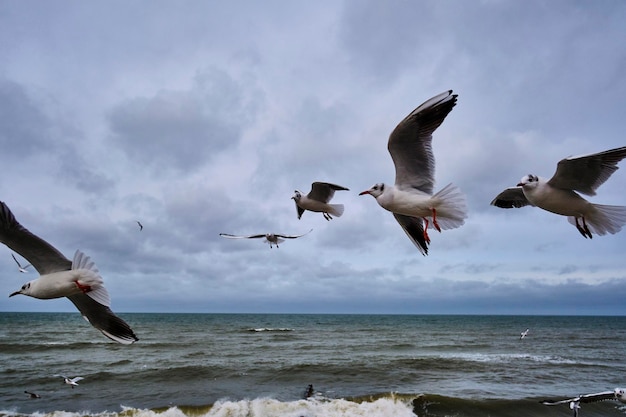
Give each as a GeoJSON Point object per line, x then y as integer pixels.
{"type": "Point", "coordinates": [376, 191]}
{"type": "Point", "coordinates": [620, 395]}
{"type": "Point", "coordinates": [24, 290]}
{"type": "Point", "coordinates": [528, 180]}
{"type": "Point", "coordinates": [297, 195]}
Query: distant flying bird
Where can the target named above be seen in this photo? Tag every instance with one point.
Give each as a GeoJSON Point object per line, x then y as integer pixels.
{"type": "Point", "coordinates": [271, 238]}
{"type": "Point", "coordinates": [317, 200]}
{"type": "Point", "coordinates": [618, 394]}
{"type": "Point", "coordinates": [411, 199]}
{"type": "Point", "coordinates": [524, 333]}
{"type": "Point", "coordinates": [20, 268]}
{"type": "Point", "coordinates": [72, 382]}
{"type": "Point", "coordinates": [558, 194]}
{"type": "Point", "coordinates": [140, 225]}
{"type": "Point", "coordinates": [32, 394]}
{"type": "Point", "coordinates": [79, 280]}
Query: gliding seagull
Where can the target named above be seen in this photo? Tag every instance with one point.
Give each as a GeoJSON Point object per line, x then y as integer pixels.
{"type": "Point", "coordinates": [558, 194]}
{"type": "Point", "coordinates": [524, 334]}
{"type": "Point", "coordinates": [271, 238]}
{"type": "Point", "coordinates": [317, 200]}
{"type": "Point", "coordinates": [411, 199]}
{"type": "Point", "coordinates": [79, 280]}
{"type": "Point", "coordinates": [20, 268]}
{"type": "Point", "coordinates": [72, 382]}
{"type": "Point", "coordinates": [618, 394]}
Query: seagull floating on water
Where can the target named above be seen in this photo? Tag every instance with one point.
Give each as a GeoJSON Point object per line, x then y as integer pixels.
{"type": "Point", "coordinates": [79, 279]}
{"type": "Point", "coordinates": [618, 394]}
{"type": "Point", "coordinates": [317, 200]}
{"type": "Point", "coordinates": [20, 268]}
{"type": "Point", "coordinates": [72, 382]}
{"type": "Point", "coordinates": [524, 333]}
{"type": "Point", "coordinates": [271, 238]}
{"type": "Point", "coordinates": [32, 394]}
{"type": "Point", "coordinates": [411, 199]}
{"type": "Point", "coordinates": [558, 194]}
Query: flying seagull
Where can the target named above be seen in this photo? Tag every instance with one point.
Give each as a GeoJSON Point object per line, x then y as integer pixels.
{"type": "Point", "coordinates": [140, 225]}
{"type": "Point", "coordinates": [411, 199]}
{"type": "Point", "coordinates": [524, 334]}
{"type": "Point", "coordinates": [72, 382]}
{"type": "Point", "coordinates": [79, 280]}
{"type": "Point", "coordinates": [20, 268]}
{"type": "Point", "coordinates": [317, 200]}
{"type": "Point", "coordinates": [618, 394]}
{"type": "Point", "coordinates": [271, 238]}
{"type": "Point", "coordinates": [558, 194]}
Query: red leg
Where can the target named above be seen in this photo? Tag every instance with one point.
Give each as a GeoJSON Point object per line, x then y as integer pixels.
{"type": "Point", "coordinates": [435, 224]}
{"type": "Point", "coordinates": [426, 237]}
{"type": "Point", "coordinates": [84, 288]}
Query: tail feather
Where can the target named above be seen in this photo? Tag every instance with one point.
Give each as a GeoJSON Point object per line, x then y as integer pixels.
{"type": "Point", "coordinates": [336, 210]}
{"type": "Point", "coordinates": [451, 207]}
{"type": "Point", "coordinates": [604, 219]}
{"type": "Point", "coordinates": [91, 276]}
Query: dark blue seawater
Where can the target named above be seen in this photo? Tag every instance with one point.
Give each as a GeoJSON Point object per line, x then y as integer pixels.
{"type": "Point", "coordinates": [359, 365]}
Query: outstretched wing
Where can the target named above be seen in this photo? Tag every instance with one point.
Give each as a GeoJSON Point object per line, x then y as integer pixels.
{"type": "Point", "coordinates": [241, 237]}
{"type": "Point", "coordinates": [511, 197]}
{"type": "Point", "coordinates": [293, 236]}
{"type": "Point", "coordinates": [324, 191]}
{"type": "Point", "coordinates": [586, 173]}
{"type": "Point", "coordinates": [414, 229]}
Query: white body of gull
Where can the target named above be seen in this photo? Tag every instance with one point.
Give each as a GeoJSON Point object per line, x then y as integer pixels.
{"type": "Point", "coordinates": [558, 194]}
{"type": "Point", "coordinates": [618, 394]}
{"type": "Point", "coordinates": [317, 200]}
{"type": "Point", "coordinates": [411, 199]}
{"type": "Point", "coordinates": [524, 334]}
{"type": "Point", "coordinates": [72, 382]}
{"type": "Point", "coordinates": [20, 268]}
{"type": "Point", "coordinates": [79, 280]}
{"type": "Point", "coordinates": [271, 238]}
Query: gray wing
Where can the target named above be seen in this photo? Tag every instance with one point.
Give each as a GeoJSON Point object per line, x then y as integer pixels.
{"type": "Point", "coordinates": [102, 318]}
{"type": "Point", "coordinates": [557, 402]}
{"type": "Point", "coordinates": [600, 396]}
{"type": "Point", "coordinates": [586, 173]}
{"type": "Point", "coordinates": [299, 209]}
{"type": "Point", "coordinates": [410, 143]}
{"type": "Point", "coordinates": [511, 197]}
{"type": "Point", "coordinates": [293, 236]}
{"type": "Point", "coordinates": [414, 229]}
{"type": "Point", "coordinates": [324, 191]}
{"type": "Point", "coordinates": [39, 253]}
{"type": "Point", "coordinates": [241, 237]}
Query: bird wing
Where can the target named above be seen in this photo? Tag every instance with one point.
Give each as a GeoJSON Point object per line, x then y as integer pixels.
{"type": "Point", "coordinates": [600, 396]}
{"type": "Point", "coordinates": [511, 197]}
{"type": "Point", "coordinates": [410, 143]}
{"type": "Point", "coordinates": [586, 173]}
{"type": "Point", "coordinates": [293, 236]}
{"type": "Point", "coordinates": [557, 402]}
{"type": "Point", "coordinates": [77, 378]}
{"type": "Point", "coordinates": [299, 209]}
{"type": "Point", "coordinates": [324, 191]}
{"type": "Point", "coordinates": [39, 253]}
{"type": "Point", "coordinates": [102, 318]}
{"type": "Point", "coordinates": [414, 229]}
{"type": "Point", "coordinates": [241, 237]}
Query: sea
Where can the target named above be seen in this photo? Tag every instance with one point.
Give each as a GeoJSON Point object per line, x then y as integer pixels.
{"type": "Point", "coordinates": [262, 365]}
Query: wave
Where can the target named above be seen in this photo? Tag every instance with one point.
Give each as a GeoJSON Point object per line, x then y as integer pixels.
{"type": "Point", "coordinates": [375, 405]}
{"type": "Point", "coordinates": [270, 329]}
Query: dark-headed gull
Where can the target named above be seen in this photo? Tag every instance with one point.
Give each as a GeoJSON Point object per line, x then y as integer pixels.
{"type": "Point", "coordinates": [411, 199]}
{"type": "Point", "coordinates": [20, 268]}
{"type": "Point", "coordinates": [79, 279]}
{"type": "Point", "coordinates": [271, 238]}
{"type": "Point", "coordinates": [72, 382]}
{"type": "Point", "coordinates": [524, 334]}
{"type": "Point", "coordinates": [618, 394]}
{"type": "Point", "coordinates": [317, 200]}
{"type": "Point", "coordinates": [32, 394]}
{"type": "Point", "coordinates": [558, 194]}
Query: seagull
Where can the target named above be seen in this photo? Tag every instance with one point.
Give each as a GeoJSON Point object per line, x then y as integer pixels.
{"type": "Point", "coordinates": [317, 200]}
{"type": "Point", "coordinates": [411, 199]}
{"type": "Point", "coordinates": [618, 394]}
{"type": "Point", "coordinates": [32, 394]}
{"type": "Point", "coordinates": [79, 279]}
{"type": "Point", "coordinates": [140, 225]}
{"type": "Point", "coordinates": [271, 238]}
{"type": "Point", "coordinates": [72, 382]}
{"type": "Point", "coordinates": [524, 333]}
{"type": "Point", "coordinates": [20, 268]}
{"type": "Point", "coordinates": [558, 194]}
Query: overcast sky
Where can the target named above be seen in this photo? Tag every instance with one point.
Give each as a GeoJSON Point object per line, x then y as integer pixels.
{"type": "Point", "coordinates": [201, 117]}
